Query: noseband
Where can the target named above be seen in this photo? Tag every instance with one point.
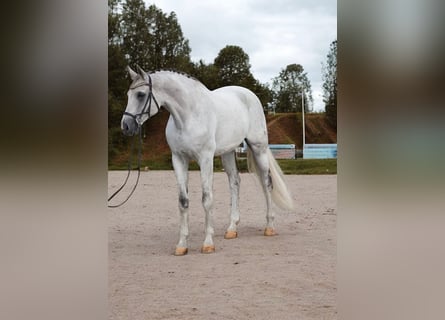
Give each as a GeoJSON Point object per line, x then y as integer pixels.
{"type": "Point", "coordinates": [147, 106]}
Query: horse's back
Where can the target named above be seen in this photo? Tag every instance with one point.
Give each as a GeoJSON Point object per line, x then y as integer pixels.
{"type": "Point", "coordinates": [241, 97]}
{"type": "Point", "coordinates": [240, 101]}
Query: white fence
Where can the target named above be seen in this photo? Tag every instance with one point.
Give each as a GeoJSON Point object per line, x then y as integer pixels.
{"type": "Point", "coordinates": [279, 151]}
{"type": "Point", "coordinates": [283, 151]}
{"type": "Point", "coordinates": [310, 151]}
{"type": "Point", "coordinates": [320, 151]}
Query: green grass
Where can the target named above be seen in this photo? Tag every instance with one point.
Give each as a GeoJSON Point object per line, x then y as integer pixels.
{"type": "Point", "coordinates": [309, 166]}
{"type": "Point", "coordinates": [297, 166]}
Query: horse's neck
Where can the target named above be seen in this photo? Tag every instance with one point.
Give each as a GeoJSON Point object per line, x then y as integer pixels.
{"type": "Point", "coordinates": [174, 97]}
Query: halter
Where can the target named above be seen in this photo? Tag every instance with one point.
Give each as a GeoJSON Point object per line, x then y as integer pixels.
{"type": "Point", "coordinates": [137, 117]}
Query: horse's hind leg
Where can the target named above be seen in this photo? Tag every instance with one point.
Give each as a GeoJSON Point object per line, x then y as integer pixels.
{"type": "Point", "coordinates": [180, 164]}
{"type": "Point", "coordinates": [263, 171]}
{"type": "Point", "coordinates": [229, 163]}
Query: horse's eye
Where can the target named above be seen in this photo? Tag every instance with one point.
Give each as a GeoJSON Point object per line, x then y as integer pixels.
{"type": "Point", "coordinates": [141, 95]}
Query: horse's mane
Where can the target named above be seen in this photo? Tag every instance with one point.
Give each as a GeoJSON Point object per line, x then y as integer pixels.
{"type": "Point", "coordinates": [174, 71]}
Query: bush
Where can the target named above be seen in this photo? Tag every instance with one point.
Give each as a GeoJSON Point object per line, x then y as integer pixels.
{"type": "Point", "coordinates": [116, 142]}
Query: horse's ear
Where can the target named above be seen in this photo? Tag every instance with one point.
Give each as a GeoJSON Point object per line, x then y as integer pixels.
{"type": "Point", "coordinates": [133, 75]}
{"type": "Point", "coordinates": [142, 73]}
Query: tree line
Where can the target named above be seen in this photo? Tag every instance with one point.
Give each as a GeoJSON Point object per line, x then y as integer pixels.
{"type": "Point", "coordinates": [152, 39]}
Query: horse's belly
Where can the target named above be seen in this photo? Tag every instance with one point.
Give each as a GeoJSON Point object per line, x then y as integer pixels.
{"type": "Point", "coordinates": [230, 135]}
{"type": "Point", "coordinates": [227, 148]}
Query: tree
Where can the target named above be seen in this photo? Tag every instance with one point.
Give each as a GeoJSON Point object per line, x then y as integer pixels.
{"type": "Point", "coordinates": [137, 33]}
{"type": "Point", "coordinates": [288, 87]}
{"type": "Point", "coordinates": [263, 93]}
{"type": "Point", "coordinates": [117, 82]}
{"type": "Point", "coordinates": [170, 48]}
{"type": "Point", "coordinates": [207, 74]}
{"type": "Point", "coordinates": [233, 66]}
{"type": "Point", "coordinates": [152, 39]}
{"type": "Point", "coordinates": [329, 71]}
{"type": "Point", "coordinates": [114, 33]}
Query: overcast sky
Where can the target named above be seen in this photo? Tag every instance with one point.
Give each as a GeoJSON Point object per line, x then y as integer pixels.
{"type": "Point", "coordinates": [274, 33]}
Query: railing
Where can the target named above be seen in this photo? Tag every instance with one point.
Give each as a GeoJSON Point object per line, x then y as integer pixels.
{"type": "Point", "coordinates": [279, 151]}
{"type": "Point", "coordinates": [283, 151]}
{"type": "Point", "coordinates": [320, 151]}
{"type": "Point", "coordinates": [288, 151]}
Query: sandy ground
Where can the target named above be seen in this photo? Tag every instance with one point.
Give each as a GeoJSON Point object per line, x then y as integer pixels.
{"type": "Point", "coordinates": [288, 276]}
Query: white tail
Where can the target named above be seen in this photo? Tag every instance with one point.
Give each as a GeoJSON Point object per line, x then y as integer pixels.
{"type": "Point", "coordinates": [280, 192]}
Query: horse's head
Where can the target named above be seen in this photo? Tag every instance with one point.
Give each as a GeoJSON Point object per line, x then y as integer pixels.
{"type": "Point", "coordinates": [140, 100]}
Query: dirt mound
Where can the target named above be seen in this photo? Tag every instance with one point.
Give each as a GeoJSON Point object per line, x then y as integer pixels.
{"type": "Point", "coordinates": [318, 129]}
{"type": "Point", "coordinates": [288, 128]}
{"type": "Point", "coordinates": [282, 128]}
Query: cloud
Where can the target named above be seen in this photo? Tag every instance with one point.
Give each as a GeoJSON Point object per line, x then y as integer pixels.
{"type": "Point", "coordinates": [273, 33]}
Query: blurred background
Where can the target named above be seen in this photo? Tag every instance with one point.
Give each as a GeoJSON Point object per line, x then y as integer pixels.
{"type": "Point", "coordinates": [53, 185]}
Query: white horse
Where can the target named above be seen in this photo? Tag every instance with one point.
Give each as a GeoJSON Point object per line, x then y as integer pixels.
{"type": "Point", "coordinates": [204, 124]}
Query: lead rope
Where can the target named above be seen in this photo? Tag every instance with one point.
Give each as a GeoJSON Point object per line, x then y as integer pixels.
{"type": "Point", "coordinates": [137, 118]}
{"type": "Point", "coordinates": [129, 170]}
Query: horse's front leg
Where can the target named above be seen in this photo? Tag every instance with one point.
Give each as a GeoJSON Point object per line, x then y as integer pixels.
{"type": "Point", "coordinates": [206, 166]}
{"type": "Point", "coordinates": [180, 164]}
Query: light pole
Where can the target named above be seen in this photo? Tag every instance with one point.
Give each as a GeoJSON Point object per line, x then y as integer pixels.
{"type": "Point", "coordinates": [302, 113]}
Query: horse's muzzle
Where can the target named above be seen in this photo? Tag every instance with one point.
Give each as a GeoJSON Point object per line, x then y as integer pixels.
{"type": "Point", "coordinates": [129, 126]}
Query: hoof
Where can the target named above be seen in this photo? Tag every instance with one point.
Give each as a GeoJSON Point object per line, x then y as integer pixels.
{"type": "Point", "coordinates": [181, 251]}
{"type": "Point", "coordinates": [230, 235]}
{"type": "Point", "coordinates": [269, 232]}
{"type": "Point", "coordinates": [208, 249]}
